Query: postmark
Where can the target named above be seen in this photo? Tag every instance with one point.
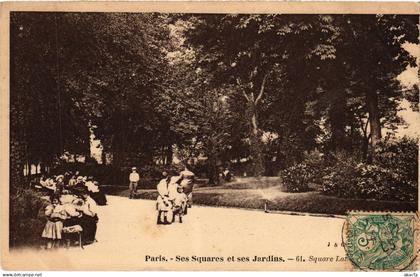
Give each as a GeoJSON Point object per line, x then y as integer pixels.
{"type": "Point", "coordinates": [381, 241]}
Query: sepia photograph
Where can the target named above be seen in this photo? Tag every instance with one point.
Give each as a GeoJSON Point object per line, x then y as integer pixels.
{"type": "Point", "coordinates": [212, 141]}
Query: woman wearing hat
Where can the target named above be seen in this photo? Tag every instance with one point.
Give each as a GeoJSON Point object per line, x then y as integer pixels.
{"type": "Point", "coordinates": [163, 205]}
{"type": "Point", "coordinates": [59, 186]}
{"type": "Point", "coordinates": [89, 218]}
{"type": "Point", "coordinates": [95, 192]}
{"type": "Point", "coordinates": [72, 181]}
{"type": "Point", "coordinates": [187, 184]}
{"type": "Point", "coordinates": [78, 185]}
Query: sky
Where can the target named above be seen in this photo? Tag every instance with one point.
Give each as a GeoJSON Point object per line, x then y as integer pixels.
{"type": "Point", "coordinates": [408, 78]}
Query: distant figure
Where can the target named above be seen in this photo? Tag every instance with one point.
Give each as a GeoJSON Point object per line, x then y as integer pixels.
{"type": "Point", "coordinates": [72, 181]}
{"type": "Point", "coordinates": [91, 187]}
{"type": "Point", "coordinates": [227, 175]}
{"type": "Point", "coordinates": [80, 180]}
{"type": "Point", "coordinates": [59, 186]}
{"type": "Point", "coordinates": [50, 184]}
{"type": "Point", "coordinates": [67, 176]}
{"type": "Point", "coordinates": [134, 180]}
{"type": "Point", "coordinates": [80, 184]}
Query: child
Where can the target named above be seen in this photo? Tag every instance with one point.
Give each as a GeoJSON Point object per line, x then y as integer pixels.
{"type": "Point", "coordinates": [55, 214]}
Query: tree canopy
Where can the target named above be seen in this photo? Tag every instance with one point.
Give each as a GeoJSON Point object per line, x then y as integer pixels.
{"type": "Point", "coordinates": [226, 88]}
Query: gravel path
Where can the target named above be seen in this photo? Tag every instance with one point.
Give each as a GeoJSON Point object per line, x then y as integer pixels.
{"type": "Point", "coordinates": [127, 234]}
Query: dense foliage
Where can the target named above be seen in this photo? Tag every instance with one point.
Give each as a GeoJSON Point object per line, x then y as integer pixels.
{"type": "Point", "coordinates": [393, 175]}
{"type": "Point", "coordinates": [299, 177]}
{"type": "Point", "coordinates": [252, 92]}
{"type": "Point", "coordinates": [27, 219]}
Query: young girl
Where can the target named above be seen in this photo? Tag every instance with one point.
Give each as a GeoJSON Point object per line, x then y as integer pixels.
{"type": "Point", "coordinates": [55, 214]}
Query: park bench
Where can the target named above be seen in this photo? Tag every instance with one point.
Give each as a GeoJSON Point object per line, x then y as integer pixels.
{"type": "Point", "coordinates": [69, 231]}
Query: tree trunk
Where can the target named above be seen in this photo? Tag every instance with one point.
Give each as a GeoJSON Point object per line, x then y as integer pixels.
{"type": "Point", "coordinates": [16, 164]}
{"type": "Point", "coordinates": [374, 117]}
{"type": "Point", "coordinates": [212, 171]}
{"type": "Point", "coordinates": [103, 156]}
{"type": "Point", "coordinates": [169, 154]}
{"type": "Point", "coordinates": [365, 149]}
{"type": "Point", "coordinates": [255, 135]}
{"type": "Point", "coordinates": [255, 139]}
{"type": "Point", "coordinates": [337, 122]}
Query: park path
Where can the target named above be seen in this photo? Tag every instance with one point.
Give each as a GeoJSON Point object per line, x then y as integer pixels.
{"type": "Point", "coordinates": [127, 233]}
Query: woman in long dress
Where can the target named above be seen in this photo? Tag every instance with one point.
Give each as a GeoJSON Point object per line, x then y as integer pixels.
{"type": "Point", "coordinates": [163, 205]}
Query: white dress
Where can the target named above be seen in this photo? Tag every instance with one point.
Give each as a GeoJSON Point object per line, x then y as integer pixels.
{"type": "Point", "coordinates": [54, 226]}
{"type": "Point", "coordinates": [163, 203]}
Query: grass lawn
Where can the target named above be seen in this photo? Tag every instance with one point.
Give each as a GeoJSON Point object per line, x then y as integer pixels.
{"type": "Point", "coordinates": [253, 193]}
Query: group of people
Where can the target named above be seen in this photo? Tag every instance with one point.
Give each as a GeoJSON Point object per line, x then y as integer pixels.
{"type": "Point", "coordinates": [74, 199]}
{"type": "Point", "coordinates": [72, 209]}
{"type": "Point", "coordinates": [175, 196]}
{"type": "Point", "coordinates": [69, 182]}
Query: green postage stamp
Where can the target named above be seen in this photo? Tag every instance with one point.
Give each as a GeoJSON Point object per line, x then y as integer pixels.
{"type": "Point", "coordinates": [382, 241]}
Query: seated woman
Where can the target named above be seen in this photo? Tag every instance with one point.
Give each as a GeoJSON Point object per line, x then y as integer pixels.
{"type": "Point", "coordinates": [59, 183]}
{"type": "Point", "coordinates": [88, 219]}
{"type": "Point", "coordinates": [95, 192]}
{"type": "Point", "coordinates": [47, 184]}
{"type": "Point", "coordinates": [78, 185]}
{"type": "Point", "coordinates": [41, 183]}
{"type": "Point", "coordinates": [72, 182]}
{"type": "Point", "coordinates": [71, 205]}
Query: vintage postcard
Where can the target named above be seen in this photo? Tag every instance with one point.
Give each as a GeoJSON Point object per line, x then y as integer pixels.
{"type": "Point", "coordinates": [269, 136]}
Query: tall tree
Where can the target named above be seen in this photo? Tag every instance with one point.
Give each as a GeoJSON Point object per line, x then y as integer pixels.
{"type": "Point", "coordinates": [244, 51]}
{"type": "Point", "coordinates": [46, 116]}
{"type": "Point", "coordinates": [373, 47]}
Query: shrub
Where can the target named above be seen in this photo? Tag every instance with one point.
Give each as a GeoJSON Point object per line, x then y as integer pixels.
{"type": "Point", "coordinates": [27, 218]}
{"type": "Point", "coordinates": [295, 178]}
{"type": "Point", "coordinates": [349, 179]}
{"type": "Point", "coordinates": [298, 177]}
{"type": "Point", "coordinates": [337, 179]}
{"type": "Point", "coordinates": [392, 176]}
{"type": "Point", "coordinates": [381, 180]}
{"type": "Point", "coordinates": [402, 157]}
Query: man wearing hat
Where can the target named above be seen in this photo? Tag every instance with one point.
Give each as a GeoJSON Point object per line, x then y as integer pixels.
{"type": "Point", "coordinates": [134, 180]}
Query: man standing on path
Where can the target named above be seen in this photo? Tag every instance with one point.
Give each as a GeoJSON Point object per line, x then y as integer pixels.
{"type": "Point", "coordinates": [134, 180]}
